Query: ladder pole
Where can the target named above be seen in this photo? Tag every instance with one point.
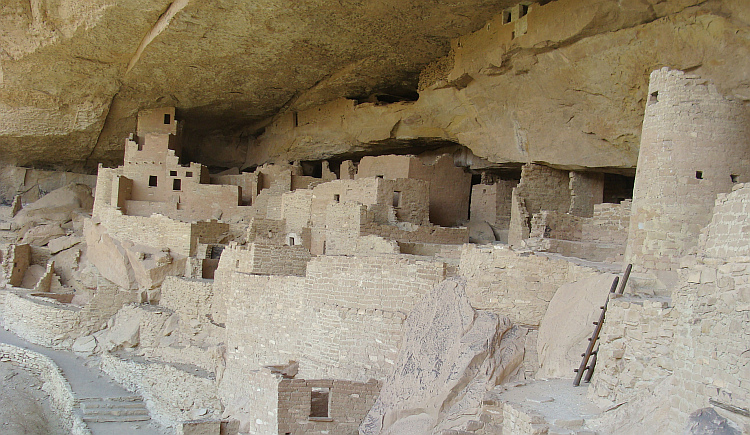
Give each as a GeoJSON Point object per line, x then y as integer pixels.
{"type": "Point", "coordinates": [624, 281]}
{"type": "Point", "coordinates": [594, 336]}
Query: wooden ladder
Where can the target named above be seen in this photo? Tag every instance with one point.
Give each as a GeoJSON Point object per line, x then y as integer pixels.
{"type": "Point", "coordinates": [590, 353]}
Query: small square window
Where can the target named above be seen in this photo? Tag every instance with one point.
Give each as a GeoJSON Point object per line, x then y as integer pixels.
{"type": "Point", "coordinates": [336, 197]}
{"type": "Point", "coordinates": [699, 175]}
{"type": "Point", "coordinates": [172, 173]}
{"type": "Point", "coordinates": [734, 178]}
{"type": "Point", "coordinates": [188, 174]}
{"type": "Point", "coordinates": [152, 181]}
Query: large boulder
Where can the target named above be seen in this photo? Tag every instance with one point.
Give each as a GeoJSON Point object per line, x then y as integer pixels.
{"type": "Point", "coordinates": [127, 265]}
{"type": "Point", "coordinates": [57, 207]}
{"type": "Point", "coordinates": [568, 323]}
{"type": "Point", "coordinates": [450, 356]}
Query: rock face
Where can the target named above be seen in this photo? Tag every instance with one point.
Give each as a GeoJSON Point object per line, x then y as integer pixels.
{"type": "Point", "coordinates": [566, 91]}
{"type": "Point", "coordinates": [74, 73]}
{"type": "Point", "coordinates": [451, 355]}
{"type": "Point", "coordinates": [567, 325]}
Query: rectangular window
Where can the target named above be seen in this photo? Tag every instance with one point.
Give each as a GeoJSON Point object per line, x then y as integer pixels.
{"type": "Point", "coordinates": [177, 184]}
{"type": "Point", "coordinates": [319, 402]}
{"type": "Point", "coordinates": [507, 17]}
{"type": "Point", "coordinates": [397, 199]}
{"type": "Point", "coordinates": [172, 173]}
{"type": "Point", "coordinates": [336, 197]}
{"type": "Point", "coordinates": [152, 181]}
{"type": "Point", "coordinates": [188, 174]}
{"type": "Point", "coordinates": [167, 119]}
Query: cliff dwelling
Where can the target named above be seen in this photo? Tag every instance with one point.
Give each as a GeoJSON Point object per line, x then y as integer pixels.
{"type": "Point", "coordinates": [376, 218]}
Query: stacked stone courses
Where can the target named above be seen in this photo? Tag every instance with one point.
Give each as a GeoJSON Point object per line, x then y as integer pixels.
{"type": "Point", "coordinates": [694, 145]}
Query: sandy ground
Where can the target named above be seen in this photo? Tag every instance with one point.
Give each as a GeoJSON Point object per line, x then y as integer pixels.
{"type": "Point", "coordinates": [24, 406]}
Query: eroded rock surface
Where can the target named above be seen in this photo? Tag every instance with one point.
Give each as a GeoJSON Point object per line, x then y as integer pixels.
{"type": "Point", "coordinates": [451, 355]}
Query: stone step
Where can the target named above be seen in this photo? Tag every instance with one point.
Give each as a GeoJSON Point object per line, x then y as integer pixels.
{"type": "Point", "coordinates": [116, 419]}
{"type": "Point", "coordinates": [113, 409]}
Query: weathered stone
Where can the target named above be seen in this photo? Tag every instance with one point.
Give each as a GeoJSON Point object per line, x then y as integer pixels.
{"type": "Point", "coordinates": [450, 354]}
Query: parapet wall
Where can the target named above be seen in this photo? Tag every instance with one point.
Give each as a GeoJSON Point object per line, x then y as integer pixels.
{"type": "Point", "coordinates": [694, 145]}
{"type": "Point", "coordinates": [38, 321]}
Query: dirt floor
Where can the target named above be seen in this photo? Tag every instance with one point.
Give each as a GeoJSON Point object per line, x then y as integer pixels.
{"type": "Point", "coordinates": [25, 407]}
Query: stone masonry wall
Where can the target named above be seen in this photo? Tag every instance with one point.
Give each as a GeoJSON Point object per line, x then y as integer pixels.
{"type": "Point", "coordinates": [267, 259]}
{"type": "Point", "coordinates": [693, 146]}
{"type": "Point", "coordinates": [728, 235]}
{"type": "Point", "coordinates": [491, 203]}
{"type": "Point", "coordinates": [608, 225]}
{"type": "Point", "coordinates": [186, 396]}
{"type": "Point", "coordinates": [701, 340]}
{"type": "Point", "coordinates": [40, 321]}
{"type": "Point", "coordinates": [586, 190]}
{"type": "Point", "coordinates": [342, 321]}
{"type": "Point", "coordinates": [349, 402]}
{"type": "Point", "coordinates": [61, 395]}
{"type": "Point", "coordinates": [155, 230]}
{"type": "Point", "coordinates": [635, 348]}
{"type": "Point", "coordinates": [519, 286]}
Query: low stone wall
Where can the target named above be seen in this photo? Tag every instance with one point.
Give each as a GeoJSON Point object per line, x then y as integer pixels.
{"type": "Point", "coordinates": [61, 395]}
{"type": "Point", "coordinates": [517, 285]}
{"type": "Point", "coordinates": [634, 348]}
{"type": "Point", "coordinates": [171, 395]}
{"type": "Point", "coordinates": [40, 321]}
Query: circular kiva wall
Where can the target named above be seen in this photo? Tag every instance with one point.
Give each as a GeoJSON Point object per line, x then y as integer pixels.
{"type": "Point", "coordinates": [694, 145]}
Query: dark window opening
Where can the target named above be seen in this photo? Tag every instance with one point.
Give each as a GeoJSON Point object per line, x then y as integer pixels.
{"type": "Point", "coordinates": [379, 176]}
{"type": "Point", "coordinates": [152, 181]}
{"type": "Point", "coordinates": [216, 252]}
{"type": "Point", "coordinates": [734, 178]}
{"type": "Point", "coordinates": [699, 175]}
{"type": "Point", "coordinates": [291, 241]}
{"type": "Point", "coordinates": [336, 197]}
{"type": "Point", "coordinates": [396, 199]}
{"type": "Point", "coordinates": [237, 264]}
{"type": "Point", "coordinates": [319, 401]}
{"type": "Point", "coordinates": [177, 184]}
{"type": "Point", "coordinates": [513, 35]}
{"type": "Point", "coordinates": [524, 10]}
{"type": "Point", "coordinates": [172, 173]}
{"type": "Point", "coordinates": [312, 169]}
{"type": "Point", "coordinates": [507, 17]}
{"type": "Point", "coordinates": [188, 174]}
{"type": "Point", "coordinates": [653, 98]}
{"type": "Point", "coordinates": [617, 188]}
{"type": "Point", "coordinates": [167, 119]}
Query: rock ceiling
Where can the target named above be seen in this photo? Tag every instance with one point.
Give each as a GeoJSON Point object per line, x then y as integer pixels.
{"type": "Point", "coordinates": [73, 73]}
{"type": "Point", "coordinates": [67, 65]}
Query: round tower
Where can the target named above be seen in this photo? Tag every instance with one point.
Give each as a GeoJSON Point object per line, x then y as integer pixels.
{"type": "Point", "coordinates": [694, 145]}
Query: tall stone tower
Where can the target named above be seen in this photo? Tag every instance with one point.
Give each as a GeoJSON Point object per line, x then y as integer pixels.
{"type": "Point", "coordinates": [695, 144]}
